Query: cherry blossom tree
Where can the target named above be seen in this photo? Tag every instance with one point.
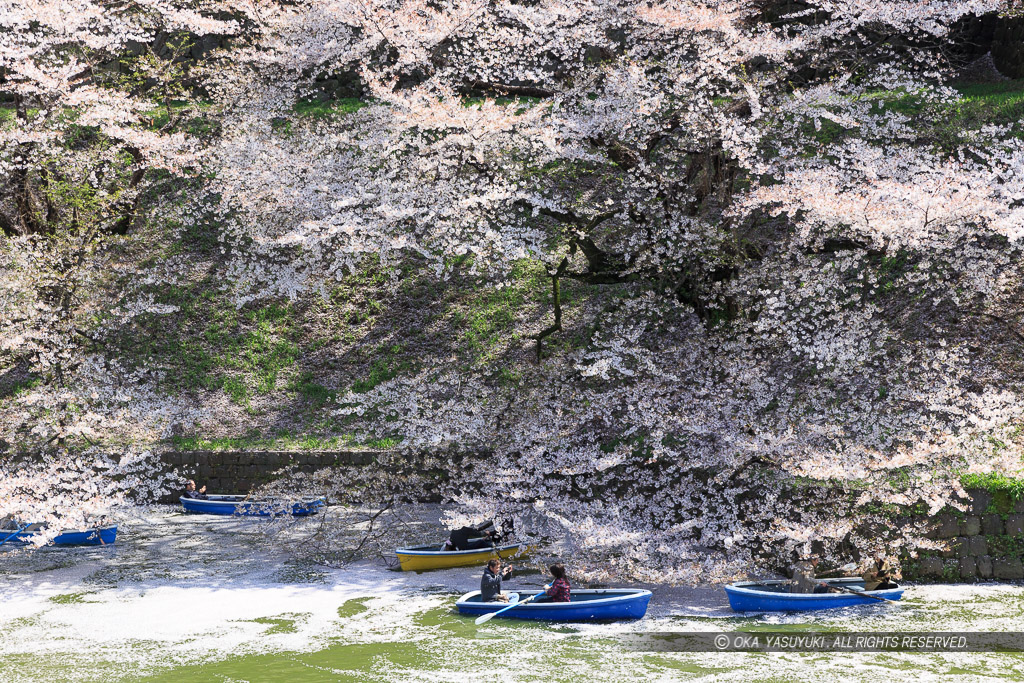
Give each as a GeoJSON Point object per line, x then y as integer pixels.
{"type": "Point", "coordinates": [809, 290]}
{"type": "Point", "coordinates": [84, 82]}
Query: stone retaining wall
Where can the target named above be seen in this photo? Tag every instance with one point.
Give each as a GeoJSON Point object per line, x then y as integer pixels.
{"type": "Point", "coordinates": [985, 542]}
{"type": "Point", "coordinates": [236, 472]}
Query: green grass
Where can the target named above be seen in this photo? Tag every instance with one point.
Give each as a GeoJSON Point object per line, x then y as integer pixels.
{"type": "Point", "coordinates": [995, 483]}
{"type": "Point", "coordinates": [282, 440]}
{"type": "Point", "coordinates": [192, 118]}
{"type": "Point", "coordinates": [22, 387]}
{"type": "Point", "coordinates": [946, 124]}
{"type": "Point", "coordinates": [220, 347]}
{"type": "Point", "coordinates": [312, 391]}
{"type": "Point", "coordinates": [388, 363]}
{"type": "Point", "coordinates": [1001, 93]}
{"type": "Point", "coordinates": [489, 316]}
{"type": "Point", "coordinates": [69, 598]}
{"type": "Point", "coordinates": [329, 108]}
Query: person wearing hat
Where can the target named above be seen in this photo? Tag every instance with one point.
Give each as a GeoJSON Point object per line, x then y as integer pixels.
{"type": "Point", "coordinates": [803, 578]}
{"type": "Point", "coordinates": [879, 571]}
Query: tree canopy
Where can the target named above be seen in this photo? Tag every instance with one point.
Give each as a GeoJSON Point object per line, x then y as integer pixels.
{"type": "Point", "coordinates": [748, 250]}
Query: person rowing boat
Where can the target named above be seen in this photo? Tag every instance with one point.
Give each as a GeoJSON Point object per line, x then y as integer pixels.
{"type": "Point", "coordinates": [878, 573]}
{"type": "Point", "coordinates": [803, 579]}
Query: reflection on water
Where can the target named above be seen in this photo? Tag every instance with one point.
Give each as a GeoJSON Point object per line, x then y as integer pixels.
{"type": "Point", "coordinates": [190, 597]}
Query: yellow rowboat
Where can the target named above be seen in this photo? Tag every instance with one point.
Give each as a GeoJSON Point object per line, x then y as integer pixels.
{"type": "Point", "coordinates": [429, 557]}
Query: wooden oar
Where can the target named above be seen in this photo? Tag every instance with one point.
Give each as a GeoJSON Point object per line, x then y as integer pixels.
{"type": "Point", "coordinates": [860, 593]}
{"type": "Point", "coordinates": [487, 617]}
{"type": "Point", "coordinates": [846, 568]}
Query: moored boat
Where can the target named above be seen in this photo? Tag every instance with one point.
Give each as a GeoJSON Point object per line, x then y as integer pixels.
{"type": "Point", "coordinates": [105, 535]}
{"type": "Point", "coordinates": [605, 604]}
{"type": "Point", "coordinates": [775, 596]}
{"type": "Point", "coordinates": [240, 505]}
{"type": "Point", "coordinates": [425, 558]}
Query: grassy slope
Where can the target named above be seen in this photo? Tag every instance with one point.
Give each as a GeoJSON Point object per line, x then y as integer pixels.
{"type": "Point", "coordinates": [280, 366]}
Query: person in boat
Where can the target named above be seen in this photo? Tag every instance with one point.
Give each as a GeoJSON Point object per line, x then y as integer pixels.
{"type": "Point", "coordinates": [558, 591]}
{"type": "Point", "coordinates": [191, 492]}
{"type": "Point", "coordinates": [473, 537]}
{"type": "Point", "coordinates": [490, 583]}
{"type": "Point", "coordinates": [803, 578]}
{"type": "Point", "coordinates": [879, 572]}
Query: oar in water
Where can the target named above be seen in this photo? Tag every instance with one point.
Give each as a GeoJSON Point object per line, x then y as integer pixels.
{"type": "Point", "coordinates": [856, 592]}
{"type": "Point", "coordinates": [16, 532]}
{"type": "Point", "coordinates": [487, 617]}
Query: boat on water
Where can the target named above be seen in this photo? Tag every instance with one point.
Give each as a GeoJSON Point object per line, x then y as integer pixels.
{"type": "Point", "coordinates": [241, 505]}
{"type": "Point", "coordinates": [604, 604]}
{"type": "Point", "coordinates": [427, 557]}
{"type": "Point", "coordinates": [21, 535]}
{"type": "Point", "coordinates": [775, 596]}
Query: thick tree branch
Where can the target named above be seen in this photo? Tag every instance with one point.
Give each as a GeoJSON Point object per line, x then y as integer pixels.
{"type": "Point", "coordinates": [508, 89]}
{"type": "Point", "coordinates": [556, 292]}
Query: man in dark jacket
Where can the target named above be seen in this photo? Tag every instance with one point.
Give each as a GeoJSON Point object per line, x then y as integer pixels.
{"type": "Point", "coordinates": [490, 583]}
{"type": "Point", "coordinates": [473, 537]}
{"type": "Point", "coordinates": [190, 490]}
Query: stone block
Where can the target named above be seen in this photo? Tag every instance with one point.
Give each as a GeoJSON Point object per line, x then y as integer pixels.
{"type": "Point", "coordinates": [931, 566]}
{"type": "Point", "coordinates": [204, 472]}
{"type": "Point", "coordinates": [970, 525]}
{"type": "Point", "coordinates": [992, 525]}
{"type": "Point", "coordinates": [977, 545]}
{"type": "Point", "coordinates": [968, 568]}
{"type": "Point", "coordinates": [1015, 525]}
{"type": "Point", "coordinates": [984, 564]}
{"type": "Point", "coordinates": [980, 500]}
{"type": "Point", "coordinates": [947, 526]}
{"type": "Point", "coordinates": [960, 547]}
{"type": "Point", "coordinates": [1008, 568]}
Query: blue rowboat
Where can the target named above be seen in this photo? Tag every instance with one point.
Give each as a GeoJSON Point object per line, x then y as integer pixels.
{"type": "Point", "coordinates": [98, 536]}
{"type": "Point", "coordinates": [586, 605]}
{"type": "Point", "coordinates": [239, 505]}
{"type": "Point", "coordinates": [775, 596]}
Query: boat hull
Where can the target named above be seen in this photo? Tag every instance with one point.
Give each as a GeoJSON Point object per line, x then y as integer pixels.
{"type": "Point", "coordinates": [238, 505]}
{"type": "Point", "coordinates": [770, 596]}
{"type": "Point", "coordinates": [99, 536]}
{"type": "Point", "coordinates": [586, 605]}
{"type": "Point", "coordinates": [424, 559]}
